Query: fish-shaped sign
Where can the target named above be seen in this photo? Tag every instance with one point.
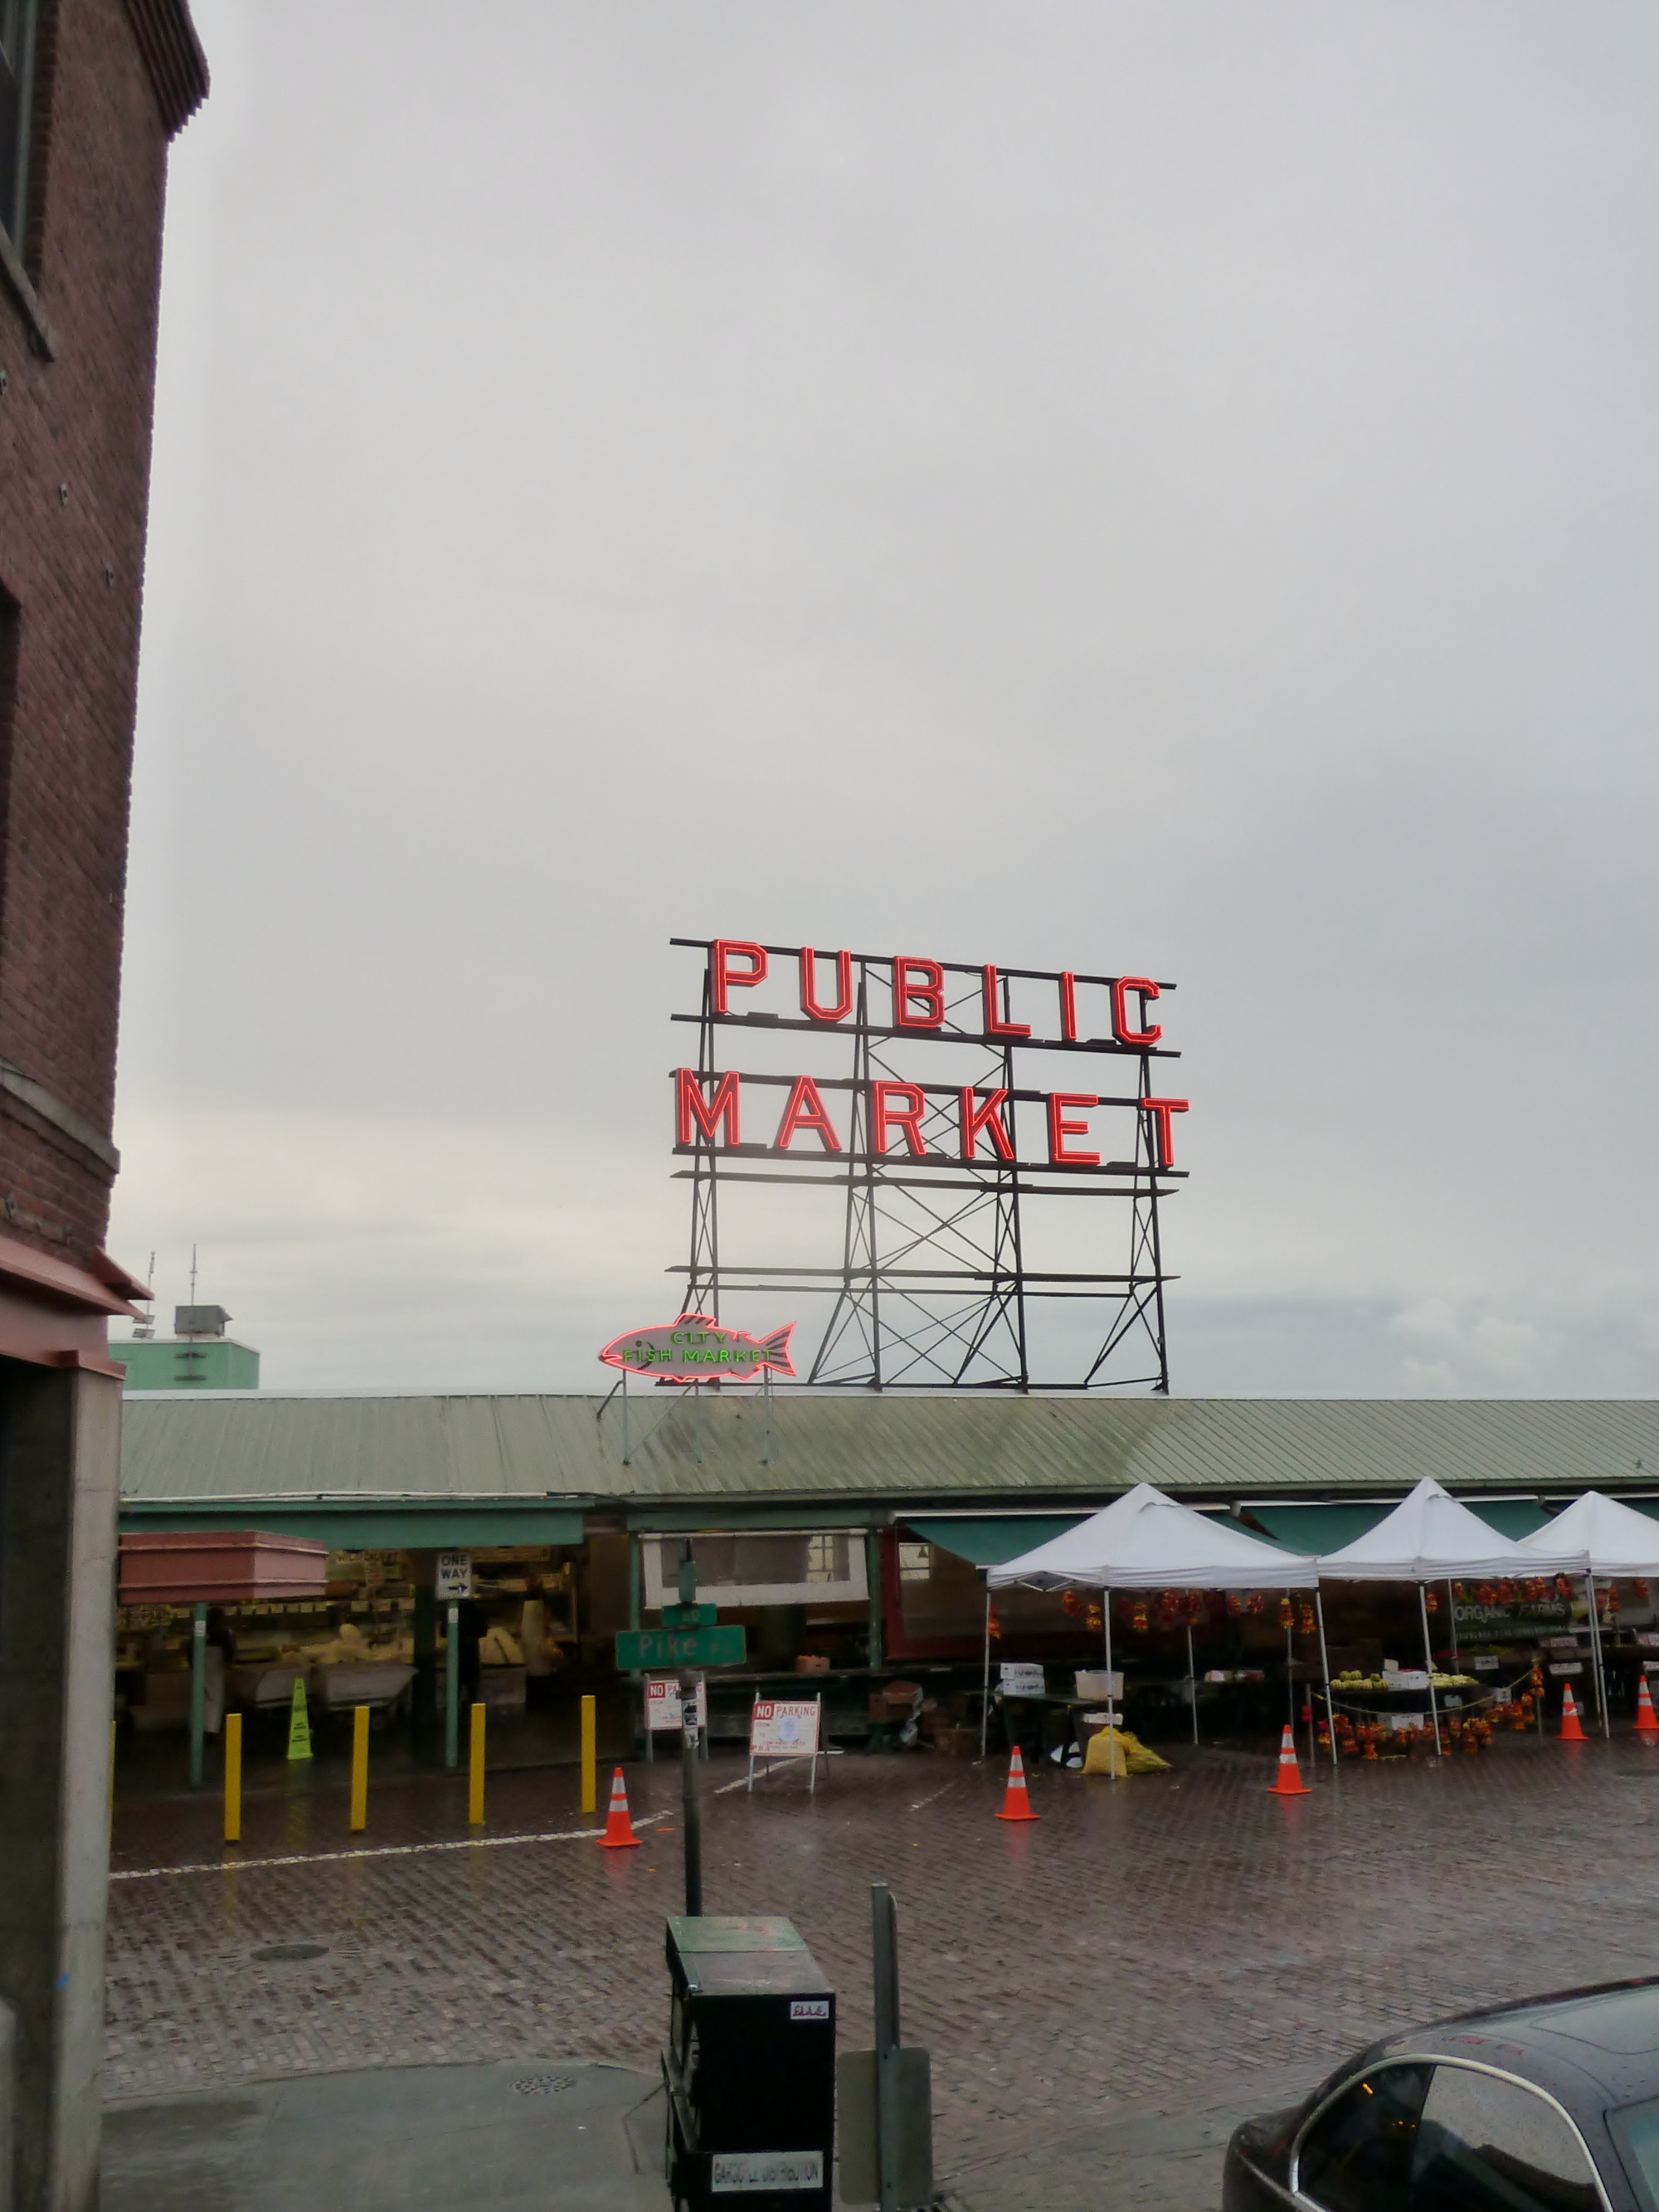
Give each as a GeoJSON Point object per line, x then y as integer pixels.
{"type": "Point", "coordinates": [695, 1349]}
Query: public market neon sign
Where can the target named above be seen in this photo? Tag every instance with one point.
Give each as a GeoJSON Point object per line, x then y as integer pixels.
{"type": "Point", "coordinates": [925, 999]}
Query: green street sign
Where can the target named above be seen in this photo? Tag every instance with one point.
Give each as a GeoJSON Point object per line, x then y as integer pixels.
{"type": "Point", "coordinates": [638, 1649]}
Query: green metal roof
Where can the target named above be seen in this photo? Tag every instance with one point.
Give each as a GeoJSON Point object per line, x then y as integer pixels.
{"type": "Point", "coordinates": [843, 1453]}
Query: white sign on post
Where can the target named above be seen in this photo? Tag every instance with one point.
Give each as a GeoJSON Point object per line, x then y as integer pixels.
{"type": "Point", "coordinates": [662, 1703]}
{"type": "Point", "coordinates": [454, 1574]}
{"type": "Point", "coordinates": [786, 1728]}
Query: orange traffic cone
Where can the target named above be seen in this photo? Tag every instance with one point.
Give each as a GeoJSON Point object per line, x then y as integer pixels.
{"type": "Point", "coordinates": [1646, 1722]}
{"type": "Point", "coordinates": [618, 1828]}
{"type": "Point", "coordinates": [1289, 1783]}
{"type": "Point", "coordinates": [1016, 1805]}
{"type": "Point", "coordinates": [1571, 1731]}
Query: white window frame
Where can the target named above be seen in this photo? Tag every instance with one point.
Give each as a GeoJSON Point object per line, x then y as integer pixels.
{"type": "Point", "coordinates": [662, 1588]}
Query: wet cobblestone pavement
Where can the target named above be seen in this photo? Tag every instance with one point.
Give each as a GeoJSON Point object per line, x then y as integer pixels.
{"type": "Point", "coordinates": [1167, 1946]}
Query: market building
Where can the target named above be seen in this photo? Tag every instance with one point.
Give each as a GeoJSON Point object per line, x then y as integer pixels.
{"type": "Point", "coordinates": [849, 1532]}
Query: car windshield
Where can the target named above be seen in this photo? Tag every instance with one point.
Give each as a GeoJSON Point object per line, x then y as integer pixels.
{"type": "Point", "coordinates": [1635, 2129]}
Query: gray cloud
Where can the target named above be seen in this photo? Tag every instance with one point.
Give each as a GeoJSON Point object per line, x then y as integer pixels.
{"type": "Point", "coordinates": [1104, 485]}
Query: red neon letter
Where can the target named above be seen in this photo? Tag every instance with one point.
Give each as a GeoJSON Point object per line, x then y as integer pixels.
{"type": "Point", "coordinates": [1160, 1109]}
{"type": "Point", "coordinates": [883, 1117]}
{"type": "Point", "coordinates": [1059, 1128]}
{"type": "Point", "coordinates": [930, 991]}
{"type": "Point", "coordinates": [805, 1111]}
{"type": "Point", "coordinates": [989, 1117]}
{"type": "Point", "coordinates": [1122, 1028]}
{"type": "Point", "coordinates": [992, 1026]}
{"type": "Point", "coordinates": [721, 953]}
{"type": "Point", "coordinates": [1068, 1008]}
{"type": "Point", "coordinates": [809, 1004]}
{"type": "Point", "coordinates": [707, 1113]}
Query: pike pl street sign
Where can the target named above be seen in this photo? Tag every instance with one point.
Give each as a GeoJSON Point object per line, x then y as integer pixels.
{"type": "Point", "coordinates": [639, 1649]}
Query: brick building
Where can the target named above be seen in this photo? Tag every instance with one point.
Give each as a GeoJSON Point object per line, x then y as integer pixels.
{"type": "Point", "coordinates": [91, 92]}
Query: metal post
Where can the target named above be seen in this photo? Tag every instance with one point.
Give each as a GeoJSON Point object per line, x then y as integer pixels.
{"type": "Point", "coordinates": [591, 1755]}
{"type": "Point", "coordinates": [1290, 1671]}
{"type": "Point", "coordinates": [1428, 1660]}
{"type": "Point", "coordinates": [453, 1689]}
{"type": "Point", "coordinates": [690, 1792]}
{"type": "Point", "coordinates": [1595, 1656]}
{"type": "Point", "coordinates": [474, 1793]}
{"type": "Point", "coordinates": [1111, 1709]}
{"type": "Point", "coordinates": [874, 1553]}
{"type": "Point", "coordinates": [360, 1768]}
{"type": "Point", "coordinates": [1451, 1615]}
{"type": "Point", "coordinates": [1192, 1680]}
{"type": "Point", "coordinates": [8, 2103]}
{"type": "Point", "coordinates": [985, 1706]}
{"type": "Point", "coordinates": [884, 1923]}
{"type": "Point", "coordinates": [232, 1778]}
{"type": "Point", "coordinates": [198, 1689]}
{"type": "Point", "coordinates": [1325, 1666]}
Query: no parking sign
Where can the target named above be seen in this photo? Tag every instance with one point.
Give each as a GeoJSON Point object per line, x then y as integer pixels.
{"type": "Point", "coordinates": [786, 1728]}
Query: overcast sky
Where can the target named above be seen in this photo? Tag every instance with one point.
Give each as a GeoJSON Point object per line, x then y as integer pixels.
{"type": "Point", "coordinates": [1093, 484]}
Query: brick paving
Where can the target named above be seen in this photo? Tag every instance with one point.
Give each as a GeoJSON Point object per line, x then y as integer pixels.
{"type": "Point", "coordinates": [1162, 1946]}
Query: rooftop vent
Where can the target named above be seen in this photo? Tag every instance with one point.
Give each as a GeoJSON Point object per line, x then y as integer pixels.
{"type": "Point", "coordinates": [199, 1321]}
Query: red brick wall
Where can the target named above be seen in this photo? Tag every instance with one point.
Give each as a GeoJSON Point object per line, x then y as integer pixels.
{"type": "Point", "coordinates": [75, 434]}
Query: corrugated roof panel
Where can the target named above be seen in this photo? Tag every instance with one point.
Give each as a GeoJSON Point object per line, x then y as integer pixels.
{"type": "Point", "coordinates": [855, 1447]}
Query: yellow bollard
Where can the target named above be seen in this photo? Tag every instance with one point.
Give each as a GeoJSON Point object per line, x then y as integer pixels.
{"type": "Point", "coordinates": [590, 1755]}
{"type": "Point", "coordinates": [232, 1778]}
{"type": "Point", "coordinates": [475, 1775]}
{"type": "Point", "coordinates": [360, 1768]}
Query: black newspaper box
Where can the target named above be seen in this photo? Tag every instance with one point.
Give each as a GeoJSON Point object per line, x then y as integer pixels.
{"type": "Point", "coordinates": [750, 2067]}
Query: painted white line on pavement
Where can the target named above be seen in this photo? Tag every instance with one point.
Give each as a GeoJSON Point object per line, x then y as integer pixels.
{"type": "Point", "coordinates": [376, 1851]}
{"type": "Point", "coordinates": [954, 1783]}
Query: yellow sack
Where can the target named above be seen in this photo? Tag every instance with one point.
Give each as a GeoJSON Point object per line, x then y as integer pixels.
{"type": "Point", "coordinates": [1115, 1751]}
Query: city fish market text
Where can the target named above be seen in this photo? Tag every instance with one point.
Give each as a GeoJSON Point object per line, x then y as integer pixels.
{"type": "Point", "coordinates": [696, 1349]}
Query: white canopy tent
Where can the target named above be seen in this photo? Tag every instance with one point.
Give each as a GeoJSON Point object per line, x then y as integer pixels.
{"type": "Point", "coordinates": [1145, 1540]}
{"type": "Point", "coordinates": [1615, 1540]}
{"type": "Point", "coordinates": [1429, 1538]}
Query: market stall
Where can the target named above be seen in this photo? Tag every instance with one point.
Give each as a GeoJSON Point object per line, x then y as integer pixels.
{"type": "Point", "coordinates": [1145, 1540]}
{"type": "Point", "coordinates": [1618, 1544]}
{"type": "Point", "coordinates": [1430, 1538]}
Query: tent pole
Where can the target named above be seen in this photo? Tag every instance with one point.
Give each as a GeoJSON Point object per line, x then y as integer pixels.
{"type": "Point", "coordinates": [1324, 1662]}
{"type": "Point", "coordinates": [1192, 1680]}
{"type": "Point", "coordinates": [985, 1700]}
{"type": "Point", "coordinates": [1595, 1655]}
{"type": "Point", "coordinates": [1451, 1615]}
{"type": "Point", "coordinates": [1428, 1660]}
{"type": "Point", "coordinates": [1290, 1677]}
{"type": "Point", "coordinates": [1111, 1730]}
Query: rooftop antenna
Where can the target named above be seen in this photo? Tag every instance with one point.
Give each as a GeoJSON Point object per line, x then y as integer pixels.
{"type": "Point", "coordinates": [192, 1274]}
{"type": "Point", "coordinates": [145, 1327]}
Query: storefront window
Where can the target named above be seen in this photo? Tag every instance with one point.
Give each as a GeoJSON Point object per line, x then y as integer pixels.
{"type": "Point", "coordinates": [811, 1567]}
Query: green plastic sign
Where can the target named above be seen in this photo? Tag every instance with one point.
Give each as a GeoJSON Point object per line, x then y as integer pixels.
{"type": "Point", "coordinates": [638, 1649]}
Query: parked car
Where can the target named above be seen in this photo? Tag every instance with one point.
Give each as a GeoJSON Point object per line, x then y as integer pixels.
{"type": "Point", "coordinates": [1551, 2105]}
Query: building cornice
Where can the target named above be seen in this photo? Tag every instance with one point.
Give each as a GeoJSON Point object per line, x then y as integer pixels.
{"type": "Point", "coordinates": [172, 57]}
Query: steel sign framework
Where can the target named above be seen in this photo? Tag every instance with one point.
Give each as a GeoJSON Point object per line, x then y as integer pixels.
{"type": "Point", "coordinates": [926, 1246]}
